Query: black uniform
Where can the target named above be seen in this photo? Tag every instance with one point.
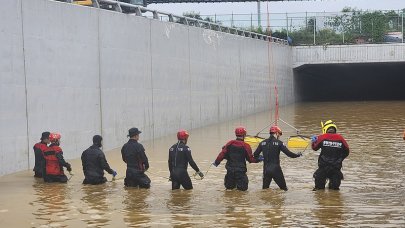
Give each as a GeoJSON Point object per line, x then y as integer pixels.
{"type": "Point", "coordinates": [134, 155]}
{"type": "Point", "coordinates": [179, 158]}
{"type": "Point", "coordinates": [237, 152]}
{"type": "Point", "coordinates": [94, 163]}
{"type": "Point", "coordinates": [271, 148]}
{"type": "Point", "coordinates": [39, 149]}
{"type": "Point", "coordinates": [334, 150]}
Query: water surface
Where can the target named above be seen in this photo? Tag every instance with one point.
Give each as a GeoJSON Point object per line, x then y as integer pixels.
{"type": "Point", "coordinates": [372, 194]}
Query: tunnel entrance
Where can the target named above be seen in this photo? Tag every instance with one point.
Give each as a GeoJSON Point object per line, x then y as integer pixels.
{"type": "Point", "coordinates": [350, 82]}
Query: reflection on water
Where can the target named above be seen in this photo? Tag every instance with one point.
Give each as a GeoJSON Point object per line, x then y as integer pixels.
{"type": "Point", "coordinates": [180, 207]}
{"type": "Point", "coordinates": [95, 198]}
{"type": "Point", "coordinates": [52, 203]}
{"type": "Point", "coordinates": [372, 193]}
{"type": "Point", "coordinates": [237, 208]}
{"type": "Point", "coordinates": [274, 214]}
{"type": "Point", "coordinates": [136, 207]}
{"type": "Point", "coordinates": [330, 208]}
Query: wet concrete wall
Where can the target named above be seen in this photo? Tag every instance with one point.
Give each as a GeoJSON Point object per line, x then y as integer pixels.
{"type": "Point", "coordinates": [82, 71]}
{"type": "Point", "coordinates": [13, 121]}
{"type": "Point", "coordinates": [338, 54]}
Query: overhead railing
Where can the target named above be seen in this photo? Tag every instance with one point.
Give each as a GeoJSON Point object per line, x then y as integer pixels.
{"type": "Point", "coordinates": [158, 15]}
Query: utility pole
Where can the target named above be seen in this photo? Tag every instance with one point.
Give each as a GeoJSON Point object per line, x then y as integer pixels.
{"type": "Point", "coordinates": [314, 30]}
{"type": "Point", "coordinates": [232, 20]}
{"type": "Point", "coordinates": [259, 18]}
{"type": "Point", "coordinates": [286, 19]}
{"type": "Point", "coordinates": [251, 21]}
{"type": "Point", "coordinates": [306, 20]}
{"type": "Point", "coordinates": [403, 25]}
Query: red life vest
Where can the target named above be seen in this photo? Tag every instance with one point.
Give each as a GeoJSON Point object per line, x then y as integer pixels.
{"type": "Point", "coordinates": [52, 166]}
{"type": "Point", "coordinates": [40, 146]}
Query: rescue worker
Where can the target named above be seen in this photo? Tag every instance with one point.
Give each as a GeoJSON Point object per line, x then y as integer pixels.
{"type": "Point", "coordinates": [236, 152]}
{"type": "Point", "coordinates": [39, 149]}
{"type": "Point", "coordinates": [54, 161]}
{"type": "Point", "coordinates": [94, 163]}
{"type": "Point", "coordinates": [179, 158]}
{"type": "Point", "coordinates": [334, 149]}
{"type": "Point", "coordinates": [271, 148]}
{"type": "Point", "coordinates": [134, 155]}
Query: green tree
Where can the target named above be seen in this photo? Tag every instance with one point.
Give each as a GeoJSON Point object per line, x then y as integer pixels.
{"type": "Point", "coordinates": [193, 14]}
{"type": "Point", "coordinates": [374, 26]}
{"type": "Point", "coordinates": [196, 15]}
{"type": "Point", "coordinates": [280, 34]}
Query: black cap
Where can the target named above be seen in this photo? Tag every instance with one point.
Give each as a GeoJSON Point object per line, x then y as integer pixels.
{"type": "Point", "coordinates": [133, 131]}
{"type": "Point", "coordinates": [45, 135]}
{"type": "Point", "coordinates": [97, 139]}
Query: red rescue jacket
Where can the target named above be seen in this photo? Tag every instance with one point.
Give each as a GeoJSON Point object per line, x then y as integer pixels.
{"type": "Point", "coordinates": [39, 149]}
{"type": "Point", "coordinates": [334, 149]}
{"type": "Point", "coordinates": [52, 166]}
{"type": "Point", "coordinates": [237, 152]}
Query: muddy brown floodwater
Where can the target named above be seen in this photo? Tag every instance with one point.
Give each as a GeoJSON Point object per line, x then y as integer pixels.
{"type": "Point", "coordinates": [372, 194]}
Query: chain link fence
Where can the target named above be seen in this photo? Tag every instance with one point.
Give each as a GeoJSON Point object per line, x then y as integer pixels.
{"type": "Point", "coordinates": [322, 28]}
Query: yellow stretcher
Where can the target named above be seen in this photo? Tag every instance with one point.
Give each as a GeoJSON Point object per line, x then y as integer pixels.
{"type": "Point", "coordinates": [294, 142]}
{"type": "Point", "coordinates": [298, 141]}
{"type": "Point", "coordinates": [253, 141]}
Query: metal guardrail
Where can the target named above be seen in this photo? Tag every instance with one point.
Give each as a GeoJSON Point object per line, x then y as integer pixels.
{"type": "Point", "coordinates": [157, 15]}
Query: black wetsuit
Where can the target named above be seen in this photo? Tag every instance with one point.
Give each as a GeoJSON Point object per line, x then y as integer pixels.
{"type": "Point", "coordinates": [334, 149]}
{"type": "Point", "coordinates": [236, 152]}
{"type": "Point", "coordinates": [134, 155]}
{"type": "Point", "coordinates": [271, 148]}
{"type": "Point", "coordinates": [179, 158]}
{"type": "Point", "coordinates": [94, 163]}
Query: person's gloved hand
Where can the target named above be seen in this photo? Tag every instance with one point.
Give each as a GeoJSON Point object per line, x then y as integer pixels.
{"type": "Point", "coordinates": [200, 174]}
{"type": "Point", "coordinates": [314, 138]}
{"type": "Point", "coordinates": [114, 173]}
{"type": "Point", "coordinates": [299, 154]}
{"type": "Point", "coordinates": [215, 164]}
{"type": "Point", "coordinates": [260, 158]}
{"type": "Point", "coordinates": [69, 168]}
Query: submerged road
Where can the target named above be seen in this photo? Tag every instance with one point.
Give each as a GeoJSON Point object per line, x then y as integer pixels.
{"type": "Point", "coordinates": [371, 195]}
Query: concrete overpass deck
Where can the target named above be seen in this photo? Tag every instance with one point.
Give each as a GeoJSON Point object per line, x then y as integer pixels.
{"type": "Point", "coordinates": [365, 53]}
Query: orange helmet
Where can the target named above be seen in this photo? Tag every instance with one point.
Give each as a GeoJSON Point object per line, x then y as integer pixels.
{"type": "Point", "coordinates": [182, 135]}
{"type": "Point", "coordinates": [54, 137]}
{"type": "Point", "coordinates": [275, 129]}
{"type": "Point", "coordinates": [240, 131]}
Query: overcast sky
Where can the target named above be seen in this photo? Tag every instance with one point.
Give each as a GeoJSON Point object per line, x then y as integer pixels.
{"type": "Point", "coordinates": [279, 7]}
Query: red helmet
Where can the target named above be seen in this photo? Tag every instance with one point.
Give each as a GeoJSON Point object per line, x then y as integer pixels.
{"type": "Point", "coordinates": [182, 135]}
{"type": "Point", "coordinates": [54, 137]}
{"type": "Point", "coordinates": [275, 129]}
{"type": "Point", "coordinates": [240, 131]}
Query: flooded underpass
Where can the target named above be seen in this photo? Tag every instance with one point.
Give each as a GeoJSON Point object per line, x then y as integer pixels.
{"type": "Point", "coordinates": [350, 81]}
{"type": "Point", "coordinates": [372, 193]}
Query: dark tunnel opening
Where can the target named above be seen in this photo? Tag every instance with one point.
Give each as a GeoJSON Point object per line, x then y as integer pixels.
{"type": "Point", "coordinates": [350, 82]}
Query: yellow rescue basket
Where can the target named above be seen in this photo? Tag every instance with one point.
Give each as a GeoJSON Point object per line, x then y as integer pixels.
{"type": "Point", "coordinates": [298, 141]}
{"type": "Point", "coordinates": [253, 141]}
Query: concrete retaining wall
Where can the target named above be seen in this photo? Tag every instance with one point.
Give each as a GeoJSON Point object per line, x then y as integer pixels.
{"type": "Point", "coordinates": [83, 71]}
{"type": "Point", "coordinates": [367, 53]}
{"type": "Point", "coordinates": [13, 121]}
